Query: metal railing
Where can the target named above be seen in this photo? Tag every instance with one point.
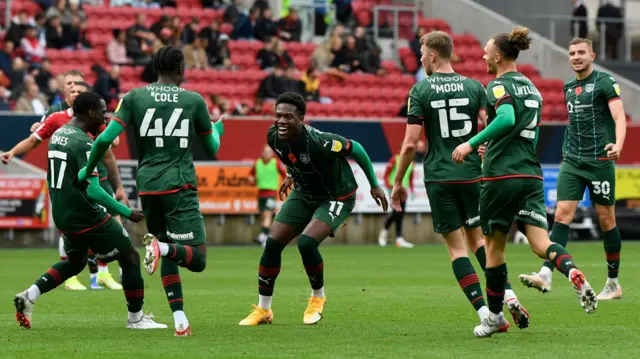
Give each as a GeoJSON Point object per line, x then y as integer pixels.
{"type": "Point", "coordinates": [395, 10]}
{"type": "Point", "coordinates": [563, 23]}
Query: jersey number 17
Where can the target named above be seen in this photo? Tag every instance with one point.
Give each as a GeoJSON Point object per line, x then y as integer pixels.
{"type": "Point", "coordinates": [169, 130]}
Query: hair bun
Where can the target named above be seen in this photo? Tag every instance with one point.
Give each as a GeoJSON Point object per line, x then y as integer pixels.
{"type": "Point", "coordinates": [520, 38]}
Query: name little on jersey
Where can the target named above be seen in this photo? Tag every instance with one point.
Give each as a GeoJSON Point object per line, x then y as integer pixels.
{"type": "Point", "coordinates": [164, 93]}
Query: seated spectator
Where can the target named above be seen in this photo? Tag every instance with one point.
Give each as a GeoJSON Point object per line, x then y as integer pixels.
{"type": "Point", "coordinates": [244, 27]}
{"type": "Point", "coordinates": [140, 30]}
{"type": "Point", "coordinates": [107, 83]}
{"type": "Point", "coordinates": [261, 5]}
{"type": "Point", "coordinates": [363, 42]}
{"type": "Point", "coordinates": [415, 44]}
{"type": "Point", "coordinates": [4, 99]}
{"type": "Point", "coordinates": [72, 11]}
{"type": "Point", "coordinates": [17, 77]}
{"type": "Point", "coordinates": [223, 57]}
{"type": "Point", "coordinates": [75, 34]}
{"type": "Point", "coordinates": [339, 56]}
{"type": "Point", "coordinates": [52, 92]}
{"type": "Point", "coordinates": [164, 21]}
{"type": "Point", "coordinates": [321, 57]}
{"type": "Point", "coordinates": [56, 11]}
{"type": "Point", "coordinates": [273, 85]}
{"type": "Point", "coordinates": [117, 50]}
{"type": "Point", "coordinates": [282, 55]}
{"type": "Point", "coordinates": [211, 33]}
{"type": "Point", "coordinates": [166, 39]}
{"type": "Point", "coordinates": [266, 57]}
{"type": "Point", "coordinates": [232, 12]}
{"type": "Point", "coordinates": [195, 56]}
{"type": "Point", "coordinates": [291, 26]}
{"type": "Point", "coordinates": [137, 51]}
{"type": "Point", "coordinates": [32, 101]}
{"type": "Point", "coordinates": [370, 62]}
{"type": "Point", "coordinates": [291, 81]}
{"type": "Point", "coordinates": [18, 28]}
{"type": "Point", "coordinates": [5, 57]}
{"type": "Point", "coordinates": [190, 31]}
{"type": "Point", "coordinates": [257, 109]}
{"type": "Point", "coordinates": [176, 28]}
{"type": "Point", "coordinates": [40, 23]}
{"type": "Point", "coordinates": [55, 34]}
{"type": "Point", "coordinates": [43, 75]}
{"type": "Point", "coordinates": [311, 81]}
{"type": "Point", "coordinates": [265, 27]}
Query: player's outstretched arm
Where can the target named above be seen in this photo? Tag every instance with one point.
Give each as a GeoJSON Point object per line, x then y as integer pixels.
{"type": "Point", "coordinates": [211, 141]}
{"type": "Point", "coordinates": [100, 146]}
{"type": "Point", "coordinates": [96, 193]}
{"type": "Point", "coordinates": [24, 146]}
{"type": "Point", "coordinates": [362, 158]}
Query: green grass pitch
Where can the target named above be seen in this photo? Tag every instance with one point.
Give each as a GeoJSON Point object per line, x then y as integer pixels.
{"type": "Point", "coordinates": [382, 303]}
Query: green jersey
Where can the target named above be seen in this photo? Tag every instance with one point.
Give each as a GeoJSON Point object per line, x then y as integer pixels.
{"type": "Point", "coordinates": [166, 120]}
{"type": "Point", "coordinates": [73, 211]}
{"type": "Point", "coordinates": [514, 154]}
{"type": "Point", "coordinates": [60, 106]}
{"type": "Point", "coordinates": [591, 126]}
{"type": "Point", "coordinates": [448, 105]}
{"type": "Point", "coordinates": [317, 163]}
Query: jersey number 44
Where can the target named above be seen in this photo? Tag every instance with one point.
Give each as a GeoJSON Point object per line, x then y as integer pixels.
{"type": "Point", "coordinates": [159, 131]}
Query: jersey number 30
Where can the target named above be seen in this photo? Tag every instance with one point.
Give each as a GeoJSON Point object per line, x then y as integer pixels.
{"type": "Point", "coordinates": [169, 130]}
{"type": "Point", "coordinates": [453, 115]}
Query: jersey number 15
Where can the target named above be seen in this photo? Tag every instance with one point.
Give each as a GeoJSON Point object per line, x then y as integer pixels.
{"type": "Point", "coordinates": [169, 130]}
{"type": "Point", "coordinates": [453, 115]}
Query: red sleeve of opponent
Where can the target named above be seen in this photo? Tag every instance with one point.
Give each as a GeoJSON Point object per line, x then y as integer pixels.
{"type": "Point", "coordinates": [387, 171]}
{"type": "Point", "coordinates": [252, 171]}
{"type": "Point", "coordinates": [51, 125]}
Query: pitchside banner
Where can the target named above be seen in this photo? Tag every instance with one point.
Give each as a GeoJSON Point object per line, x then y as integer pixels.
{"type": "Point", "coordinates": [24, 203]}
{"type": "Point", "coordinates": [224, 187]}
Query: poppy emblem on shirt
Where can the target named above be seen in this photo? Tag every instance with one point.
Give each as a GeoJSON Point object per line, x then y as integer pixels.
{"type": "Point", "coordinates": [292, 158]}
{"type": "Point", "coordinates": [578, 90]}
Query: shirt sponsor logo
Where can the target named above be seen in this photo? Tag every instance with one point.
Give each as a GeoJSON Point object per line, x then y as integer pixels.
{"type": "Point", "coordinates": [533, 215]}
{"type": "Point", "coordinates": [336, 146]}
{"type": "Point", "coordinates": [472, 221]}
{"type": "Point", "coordinates": [617, 88]}
{"type": "Point", "coordinates": [589, 88]}
{"type": "Point", "coordinates": [304, 157]}
{"type": "Point", "coordinates": [180, 236]}
{"type": "Point", "coordinates": [498, 91]}
{"type": "Point", "coordinates": [109, 255]}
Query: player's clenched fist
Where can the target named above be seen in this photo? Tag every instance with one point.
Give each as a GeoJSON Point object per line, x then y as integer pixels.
{"type": "Point", "coordinates": [6, 157]}
{"type": "Point", "coordinates": [136, 215]}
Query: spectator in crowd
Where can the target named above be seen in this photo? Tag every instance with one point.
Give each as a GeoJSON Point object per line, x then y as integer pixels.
{"type": "Point", "coordinates": [40, 22]}
{"type": "Point", "coordinates": [311, 81]}
{"type": "Point", "coordinates": [212, 4]}
{"type": "Point", "coordinates": [176, 28]}
{"type": "Point", "coordinates": [55, 33]}
{"type": "Point", "coordinates": [137, 51]}
{"type": "Point", "coordinates": [266, 57]}
{"type": "Point", "coordinates": [291, 81]}
{"type": "Point", "coordinates": [56, 89]}
{"type": "Point", "coordinates": [107, 83]}
{"type": "Point", "coordinates": [257, 109]}
{"type": "Point", "coordinates": [223, 57]}
{"type": "Point", "coordinates": [244, 27]}
{"type": "Point", "coordinates": [51, 92]}
{"type": "Point", "coordinates": [211, 33]}
{"type": "Point", "coordinates": [282, 55]}
{"type": "Point", "coordinates": [4, 80]}
{"type": "Point", "coordinates": [232, 12]}
{"type": "Point", "coordinates": [195, 55]}
{"type": "Point", "coordinates": [220, 106]}
{"type": "Point", "coordinates": [346, 57]}
{"type": "Point", "coordinates": [73, 10]}
{"type": "Point", "coordinates": [32, 101]}
{"type": "Point", "coordinates": [415, 44]}
{"type": "Point", "coordinates": [190, 31]}
{"type": "Point", "coordinates": [265, 27]}
{"type": "Point", "coordinates": [5, 57]}
{"type": "Point", "coordinates": [17, 77]}
{"type": "Point", "coordinates": [167, 38]}
{"type": "Point", "coordinates": [370, 62]}
{"type": "Point", "coordinates": [18, 28]}
{"type": "Point", "coordinates": [4, 99]}
{"type": "Point", "coordinates": [56, 11]}
{"type": "Point", "coordinates": [579, 20]}
{"type": "Point", "coordinates": [612, 31]}
{"type": "Point", "coordinates": [164, 21]}
{"type": "Point", "coordinates": [291, 26]}
{"type": "Point", "coordinates": [363, 43]}
{"type": "Point", "coordinates": [322, 56]}
{"type": "Point", "coordinates": [117, 50]}
{"type": "Point", "coordinates": [273, 85]}
{"type": "Point", "coordinates": [43, 74]}
{"type": "Point", "coordinates": [141, 32]}
{"type": "Point", "coordinates": [261, 5]}
{"type": "Point", "coordinates": [75, 34]}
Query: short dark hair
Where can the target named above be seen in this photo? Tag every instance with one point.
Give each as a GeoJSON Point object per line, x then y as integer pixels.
{"type": "Point", "coordinates": [439, 41]}
{"type": "Point", "coordinates": [510, 44]}
{"type": "Point", "coordinates": [74, 73]}
{"type": "Point", "coordinates": [85, 102]}
{"type": "Point", "coordinates": [168, 60]}
{"type": "Point", "coordinates": [294, 99]}
{"type": "Point", "coordinates": [579, 40]}
{"type": "Point", "coordinates": [83, 84]}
